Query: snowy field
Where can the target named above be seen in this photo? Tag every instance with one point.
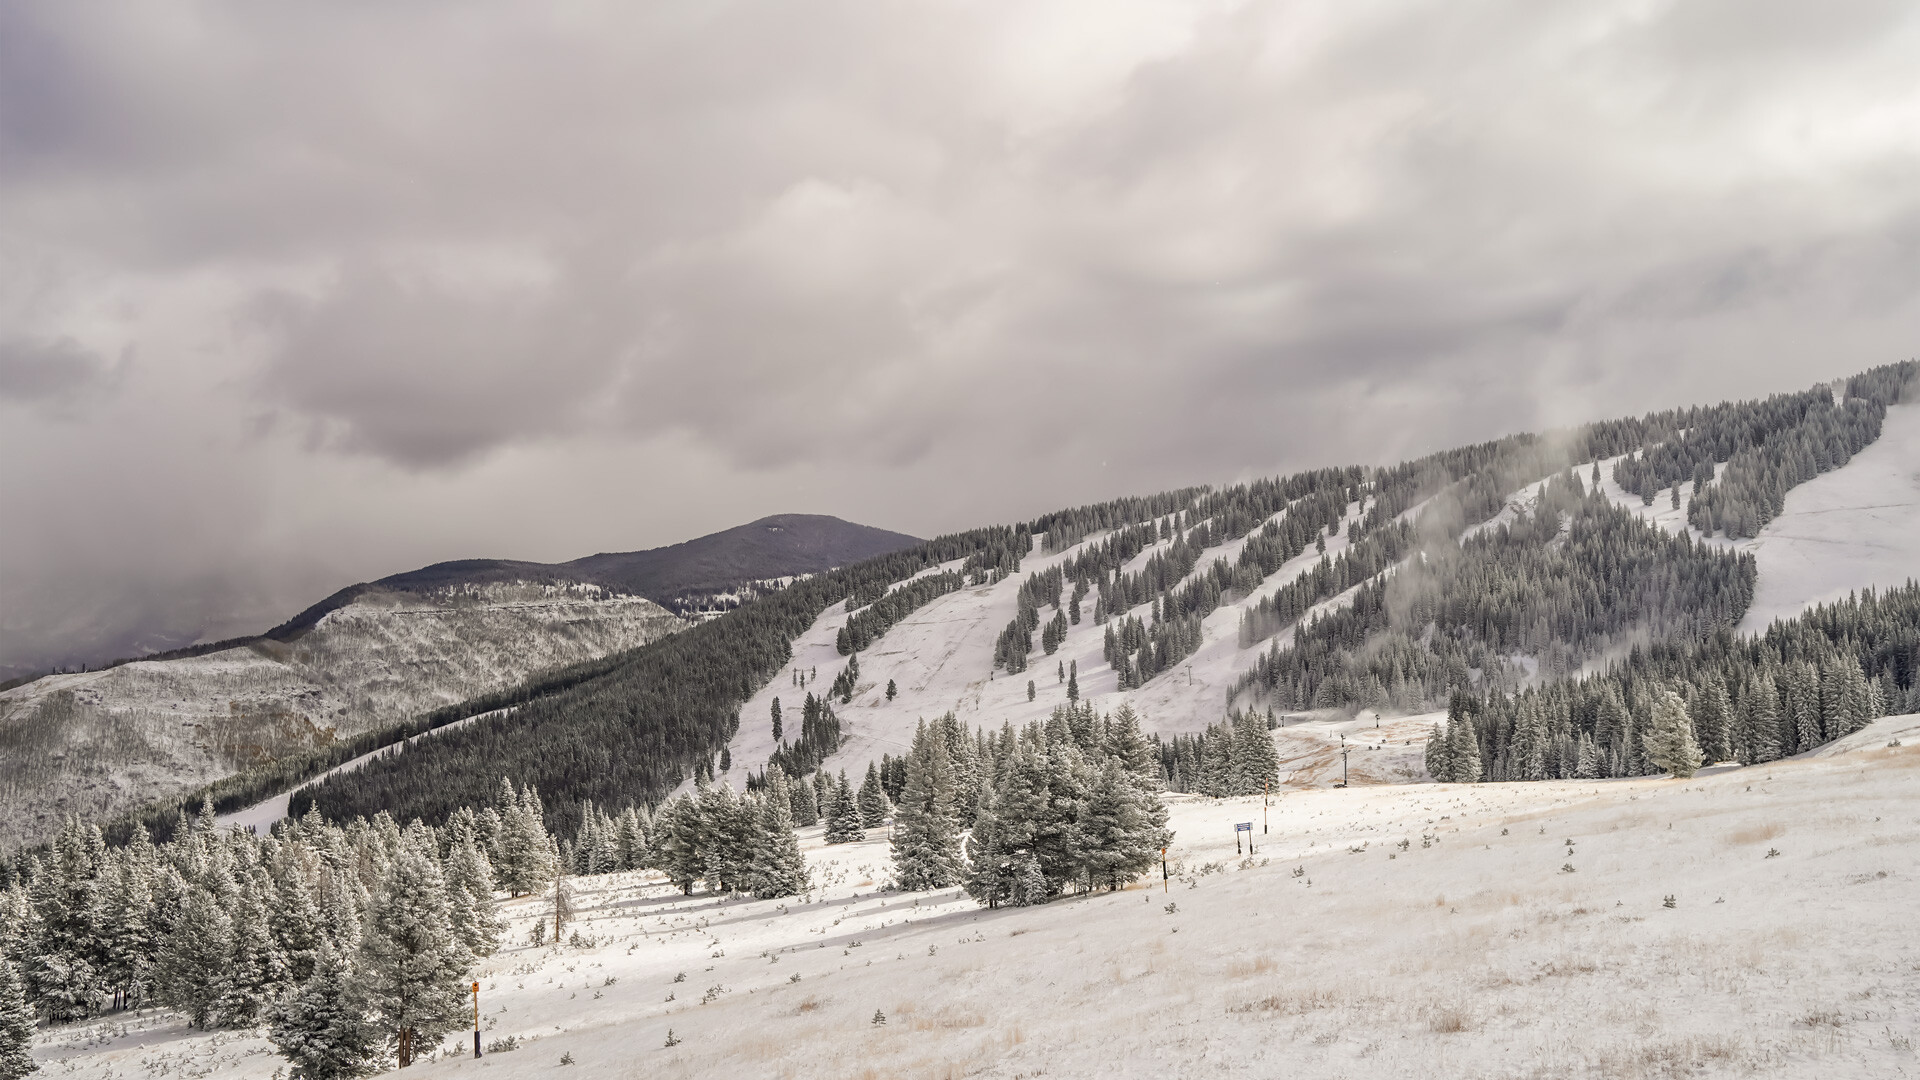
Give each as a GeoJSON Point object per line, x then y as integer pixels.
{"type": "Point", "coordinates": [1748, 922]}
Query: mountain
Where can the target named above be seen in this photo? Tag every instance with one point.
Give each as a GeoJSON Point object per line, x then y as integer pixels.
{"type": "Point", "coordinates": [370, 657]}
{"type": "Point", "coordinates": [692, 577]}
{"type": "Point", "coordinates": [1544, 588]}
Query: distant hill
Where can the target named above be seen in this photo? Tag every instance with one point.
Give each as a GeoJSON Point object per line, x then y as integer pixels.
{"type": "Point", "coordinates": [683, 577]}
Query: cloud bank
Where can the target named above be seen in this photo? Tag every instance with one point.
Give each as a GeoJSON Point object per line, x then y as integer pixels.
{"type": "Point", "coordinates": [295, 295]}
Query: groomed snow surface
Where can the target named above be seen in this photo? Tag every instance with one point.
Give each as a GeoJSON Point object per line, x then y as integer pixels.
{"type": "Point", "coordinates": [1490, 930]}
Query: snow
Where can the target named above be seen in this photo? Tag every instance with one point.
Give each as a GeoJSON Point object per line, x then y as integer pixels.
{"type": "Point", "coordinates": [1382, 930]}
{"type": "Point", "coordinates": [100, 742]}
{"type": "Point", "coordinates": [1845, 530]}
{"type": "Point", "coordinates": [940, 657]}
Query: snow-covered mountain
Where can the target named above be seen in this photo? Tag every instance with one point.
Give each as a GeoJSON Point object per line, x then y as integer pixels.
{"type": "Point", "coordinates": [1854, 528]}
{"type": "Point", "coordinates": [100, 742]}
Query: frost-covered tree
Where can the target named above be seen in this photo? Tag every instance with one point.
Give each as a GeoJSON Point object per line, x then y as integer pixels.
{"type": "Point", "coordinates": [1669, 738]}
{"type": "Point", "coordinates": [411, 962]}
{"type": "Point", "coordinates": [322, 1027]}
{"type": "Point", "coordinates": [874, 805]}
{"type": "Point", "coordinates": [16, 1025]}
{"type": "Point", "coordinates": [778, 867]}
{"type": "Point", "coordinates": [193, 961]}
{"type": "Point", "coordinates": [926, 831]}
{"type": "Point", "coordinates": [843, 819]}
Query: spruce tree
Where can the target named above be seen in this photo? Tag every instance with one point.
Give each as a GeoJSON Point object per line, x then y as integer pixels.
{"type": "Point", "coordinates": [778, 867]}
{"type": "Point", "coordinates": [843, 820]}
{"type": "Point", "coordinates": [806, 811]}
{"type": "Point", "coordinates": [926, 832]}
{"type": "Point", "coordinates": [892, 690]}
{"type": "Point", "coordinates": [873, 800]}
{"type": "Point", "coordinates": [193, 962]}
{"type": "Point", "coordinates": [1669, 739]}
{"type": "Point", "coordinates": [322, 1028]}
{"type": "Point", "coordinates": [16, 1025]}
{"type": "Point", "coordinates": [412, 963]}
{"type": "Point", "coordinates": [776, 720]}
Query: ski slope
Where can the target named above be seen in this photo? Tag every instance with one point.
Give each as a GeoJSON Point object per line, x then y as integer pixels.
{"type": "Point", "coordinates": [941, 659]}
{"type": "Point", "coordinates": [1855, 527]}
{"type": "Point", "coordinates": [1488, 930]}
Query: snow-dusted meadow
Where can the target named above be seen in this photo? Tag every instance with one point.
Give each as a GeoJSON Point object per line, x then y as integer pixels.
{"type": "Point", "coordinates": [1491, 930]}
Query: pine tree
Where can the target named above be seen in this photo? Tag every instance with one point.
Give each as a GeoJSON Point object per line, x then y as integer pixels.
{"type": "Point", "coordinates": [412, 964]}
{"type": "Point", "coordinates": [194, 960]}
{"type": "Point", "coordinates": [806, 811]}
{"type": "Point", "coordinates": [776, 720]}
{"type": "Point", "coordinates": [778, 867]}
{"type": "Point", "coordinates": [1439, 755]}
{"type": "Point", "coordinates": [322, 1028]}
{"type": "Point", "coordinates": [1073, 681]}
{"type": "Point", "coordinates": [471, 878]}
{"type": "Point", "coordinates": [926, 832]}
{"type": "Point", "coordinates": [1670, 745]}
{"type": "Point", "coordinates": [843, 820]}
{"type": "Point", "coordinates": [873, 800]}
{"type": "Point", "coordinates": [255, 970]}
{"type": "Point", "coordinates": [892, 690]}
{"type": "Point", "coordinates": [16, 1025]}
{"type": "Point", "coordinates": [1465, 742]}
{"type": "Point", "coordinates": [989, 874]}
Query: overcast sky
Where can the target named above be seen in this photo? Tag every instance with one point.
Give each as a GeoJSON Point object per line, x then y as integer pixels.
{"type": "Point", "coordinates": [295, 295]}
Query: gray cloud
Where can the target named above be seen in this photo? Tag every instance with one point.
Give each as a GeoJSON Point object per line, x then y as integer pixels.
{"type": "Point", "coordinates": [60, 373]}
{"type": "Point", "coordinates": [641, 272]}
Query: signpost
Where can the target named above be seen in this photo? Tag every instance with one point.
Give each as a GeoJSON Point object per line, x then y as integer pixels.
{"type": "Point", "coordinates": [1164, 887]}
{"type": "Point", "coordinates": [1266, 794]}
{"type": "Point", "coordinates": [1243, 827]}
{"type": "Point", "coordinates": [476, 1019]}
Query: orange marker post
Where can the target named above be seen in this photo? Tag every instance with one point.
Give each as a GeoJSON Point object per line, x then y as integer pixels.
{"type": "Point", "coordinates": [476, 1019]}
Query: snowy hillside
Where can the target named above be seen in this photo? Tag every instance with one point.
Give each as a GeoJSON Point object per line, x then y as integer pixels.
{"type": "Point", "coordinates": [96, 743]}
{"type": "Point", "coordinates": [1743, 923]}
{"type": "Point", "coordinates": [1854, 527]}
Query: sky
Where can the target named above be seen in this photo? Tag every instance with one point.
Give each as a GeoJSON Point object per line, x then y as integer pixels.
{"type": "Point", "coordinates": [297, 295]}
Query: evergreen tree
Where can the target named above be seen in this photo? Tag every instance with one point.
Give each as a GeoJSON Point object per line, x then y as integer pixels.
{"type": "Point", "coordinates": [412, 964]}
{"type": "Point", "coordinates": [926, 832]}
{"type": "Point", "coordinates": [892, 690]}
{"type": "Point", "coordinates": [776, 720]}
{"type": "Point", "coordinates": [874, 805]}
{"type": "Point", "coordinates": [806, 811]}
{"type": "Point", "coordinates": [322, 1028]}
{"type": "Point", "coordinates": [193, 962]}
{"type": "Point", "coordinates": [778, 867]}
{"type": "Point", "coordinates": [1116, 831]}
{"type": "Point", "coordinates": [1669, 739]}
{"type": "Point", "coordinates": [16, 1025]}
{"type": "Point", "coordinates": [843, 820]}
{"type": "Point", "coordinates": [1073, 681]}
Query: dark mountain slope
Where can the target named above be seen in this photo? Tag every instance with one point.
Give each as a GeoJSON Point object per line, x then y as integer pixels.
{"type": "Point", "coordinates": [783, 545]}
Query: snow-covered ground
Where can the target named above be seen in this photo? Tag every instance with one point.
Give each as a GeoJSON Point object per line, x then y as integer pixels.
{"type": "Point", "coordinates": [1751, 922]}
{"type": "Point", "coordinates": [100, 742]}
{"type": "Point", "coordinates": [1845, 530]}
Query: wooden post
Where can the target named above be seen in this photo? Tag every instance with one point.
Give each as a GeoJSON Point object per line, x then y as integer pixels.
{"type": "Point", "coordinates": [476, 1019]}
{"type": "Point", "coordinates": [1163, 871]}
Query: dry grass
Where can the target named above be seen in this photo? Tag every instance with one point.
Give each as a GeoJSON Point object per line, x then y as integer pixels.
{"type": "Point", "coordinates": [947, 1019]}
{"type": "Point", "coordinates": [1299, 1003]}
{"type": "Point", "coordinates": [808, 1004]}
{"type": "Point", "coordinates": [1755, 834]}
{"type": "Point", "coordinates": [1259, 965]}
{"type": "Point", "coordinates": [1449, 1020]}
